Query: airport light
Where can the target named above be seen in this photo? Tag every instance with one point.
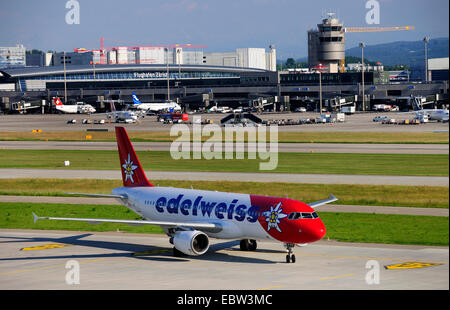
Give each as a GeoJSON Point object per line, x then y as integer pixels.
{"type": "Point", "coordinates": [319, 70]}
{"type": "Point", "coordinates": [320, 91]}
{"type": "Point", "coordinates": [426, 40]}
{"type": "Point", "coordinates": [93, 67]}
{"type": "Point", "coordinates": [168, 83]}
{"type": "Point", "coordinates": [65, 85]}
{"type": "Point", "coordinates": [179, 62]}
{"type": "Point", "coordinates": [362, 45]}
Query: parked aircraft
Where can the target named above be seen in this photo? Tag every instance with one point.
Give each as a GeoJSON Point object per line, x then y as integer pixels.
{"type": "Point", "coordinates": [73, 108]}
{"type": "Point", "coordinates": [154, 106]}
{"type": "Point", "coordinates": [122, 116]}
{"type": "Point", "coordinates": [440, 115]}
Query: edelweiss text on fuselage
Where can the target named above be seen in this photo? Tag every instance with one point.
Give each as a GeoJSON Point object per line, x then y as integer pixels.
{"type": "Point", "coordinates": [222, 210]}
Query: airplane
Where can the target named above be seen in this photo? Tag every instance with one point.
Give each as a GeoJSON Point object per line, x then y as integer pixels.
{"type": "Point", "coordinates": [440, 115]}
{"type": "Point", "coordinates": [122, 116]}
{"type": "Point", "coordinates": [191, 217]}
{"type": "Point", "coordinates": [73, 108]}
{"type": "Point", "coordinates": [155, 106]}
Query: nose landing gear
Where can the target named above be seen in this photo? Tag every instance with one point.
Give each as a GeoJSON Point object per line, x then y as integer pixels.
{"type": "Point", "coordinates": [290, 257]}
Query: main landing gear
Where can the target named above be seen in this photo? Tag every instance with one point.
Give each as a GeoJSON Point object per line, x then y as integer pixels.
{"type": "Point", "coordinates": [290, 257]}
{"type": "Point", "coordinates": [248, 245]}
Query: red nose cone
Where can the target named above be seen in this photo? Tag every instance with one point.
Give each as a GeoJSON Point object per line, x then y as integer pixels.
{"type": "Point", "coordinates": [313, 230]}
{"type": "Point", "coordinates": [320, 231]}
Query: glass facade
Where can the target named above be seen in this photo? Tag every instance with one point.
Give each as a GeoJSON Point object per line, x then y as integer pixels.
{"type": "Point", "coordinates": [327, 78]}
{"type": "Point", "coordinates": [151, 75]}
{"type": "Point", "coordinates": [135, 79]}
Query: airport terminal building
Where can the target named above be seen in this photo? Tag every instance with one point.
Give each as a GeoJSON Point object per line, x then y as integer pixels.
{"type": "Point", "coordinates": [121, 76]}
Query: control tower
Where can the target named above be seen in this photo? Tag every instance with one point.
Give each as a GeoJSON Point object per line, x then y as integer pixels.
{"type": "Point", "coordinates": [326, 45]}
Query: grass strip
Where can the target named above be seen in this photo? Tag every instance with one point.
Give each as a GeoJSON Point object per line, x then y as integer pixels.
{"type": "Point", "coordinates": [283, 137]}
{"type": "Point", "coordinates": [388, 229]}
{"type": "Point", "coordinates": [314, 163]}
{"type": "Point", "coordinates": [348, 194]}
{"type": "Point", "coordinates": [349, 227]}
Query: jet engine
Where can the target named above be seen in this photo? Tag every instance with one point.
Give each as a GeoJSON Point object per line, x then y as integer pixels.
{"type": "Point", "coordinates": [191, 242]}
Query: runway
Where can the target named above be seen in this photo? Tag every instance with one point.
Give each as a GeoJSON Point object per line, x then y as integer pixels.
{"type": "Point", "coordinates": [229, 176]}
{"type": "Point", "coordinates": [32, 259]}
{"type": "Point", "coordinates": [282, 147]}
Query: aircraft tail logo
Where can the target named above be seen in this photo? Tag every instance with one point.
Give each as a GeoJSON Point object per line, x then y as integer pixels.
{"type": "Point", "coordinates": [57, 101]}
{"type": "Point", "coordinates": [132, 172]}
{"type": "Point", "coordinates": [135, 99]}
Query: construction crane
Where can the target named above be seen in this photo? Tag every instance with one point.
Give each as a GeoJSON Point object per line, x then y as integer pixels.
{"type": "Point", "coordinates": [376, 29]}
{"type": "Point", "coordinates": [370, 29]}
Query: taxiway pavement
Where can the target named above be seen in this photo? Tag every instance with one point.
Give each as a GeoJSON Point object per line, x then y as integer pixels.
{"type": "Point", "coordinates": [35, 259]}
{"type": "Point", "coordinates": [282, 147]}
{"type": "Point", "coordinates": [356, 122]}
{"type": "Point", "coordinates": [9, 173]}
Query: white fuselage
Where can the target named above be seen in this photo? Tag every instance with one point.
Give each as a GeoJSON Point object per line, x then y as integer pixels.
{"type": "Point", "coordinates": [76, 108]}
{"type": "Point", "coordinates": [438, 115]}
{"type": "Point", "coordinates": [434, 114]}
{"type": "Point", "coordinates": [155, 107]}
{"type": "Point", "coordinates": [232, 211]}
{"type": "Point", "coordinates": [124, 116]}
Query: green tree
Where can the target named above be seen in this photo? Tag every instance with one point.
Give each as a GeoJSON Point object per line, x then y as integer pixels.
{"type": "Point", "coordinates": [290, 63]}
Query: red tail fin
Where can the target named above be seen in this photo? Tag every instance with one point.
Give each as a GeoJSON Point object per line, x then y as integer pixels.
{"type": "Point", "coordinates": [57, 101]}
{"type": "Point", "coordinates": [132, 172]}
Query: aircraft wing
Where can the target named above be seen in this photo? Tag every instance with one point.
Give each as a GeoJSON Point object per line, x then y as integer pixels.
{"type": "Point", "coordinates": [212, 227]}
{"type": "Point", "coordinates": [323, 202]}
{"type": "Point", "coordinates": [98, 195]}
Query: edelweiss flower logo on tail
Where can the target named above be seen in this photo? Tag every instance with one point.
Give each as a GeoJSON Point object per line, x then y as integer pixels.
{"type": "Point", "coordinates": [129, 168]}
{"type": "Point", "coordinates": [273, 218]}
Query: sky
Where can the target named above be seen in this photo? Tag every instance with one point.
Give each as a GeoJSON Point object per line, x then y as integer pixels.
{"type": "Point", "coordinates": [220, 25]}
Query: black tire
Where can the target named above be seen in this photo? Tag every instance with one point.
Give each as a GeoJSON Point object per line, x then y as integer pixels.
{"type": "Point", "coordinates": [293, 258]}
{"type": "Point", "coordinates": [244, 245]}
{"type": "Point", "coordinates": [288, 258]}
{"type": "Point", "coordinates": [252, 245]}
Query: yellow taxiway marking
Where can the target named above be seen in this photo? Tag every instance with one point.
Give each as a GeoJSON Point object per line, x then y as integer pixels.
{"type": "Point", "coordinates": [45, 247]}
{"type": "Point", "coordinates": [367, 258]}
{"type": "Point", "coordinates": [410, 265]}
{"type": "Point", "coordinates": [337, 277]}
{"type": "Point", "coordinates": [48, 267]}
{"type": "Point", "coordinates": [343, 256]}
{"type": "Point", "coordinates": [270, 288]}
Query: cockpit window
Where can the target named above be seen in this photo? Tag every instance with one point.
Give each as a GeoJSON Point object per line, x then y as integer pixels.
{"type": "Point", "coordinates": [307, 215]}
{"type": "Point", "coordinates": [294, 215]}
{"type": "Point", "coordinates": [302, 215]}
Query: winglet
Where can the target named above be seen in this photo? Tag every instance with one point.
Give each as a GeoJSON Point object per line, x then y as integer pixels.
{"type": "Point", "coordinates": [35, 217]}
{"type": "Point", "coordinates": [323, 202]}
